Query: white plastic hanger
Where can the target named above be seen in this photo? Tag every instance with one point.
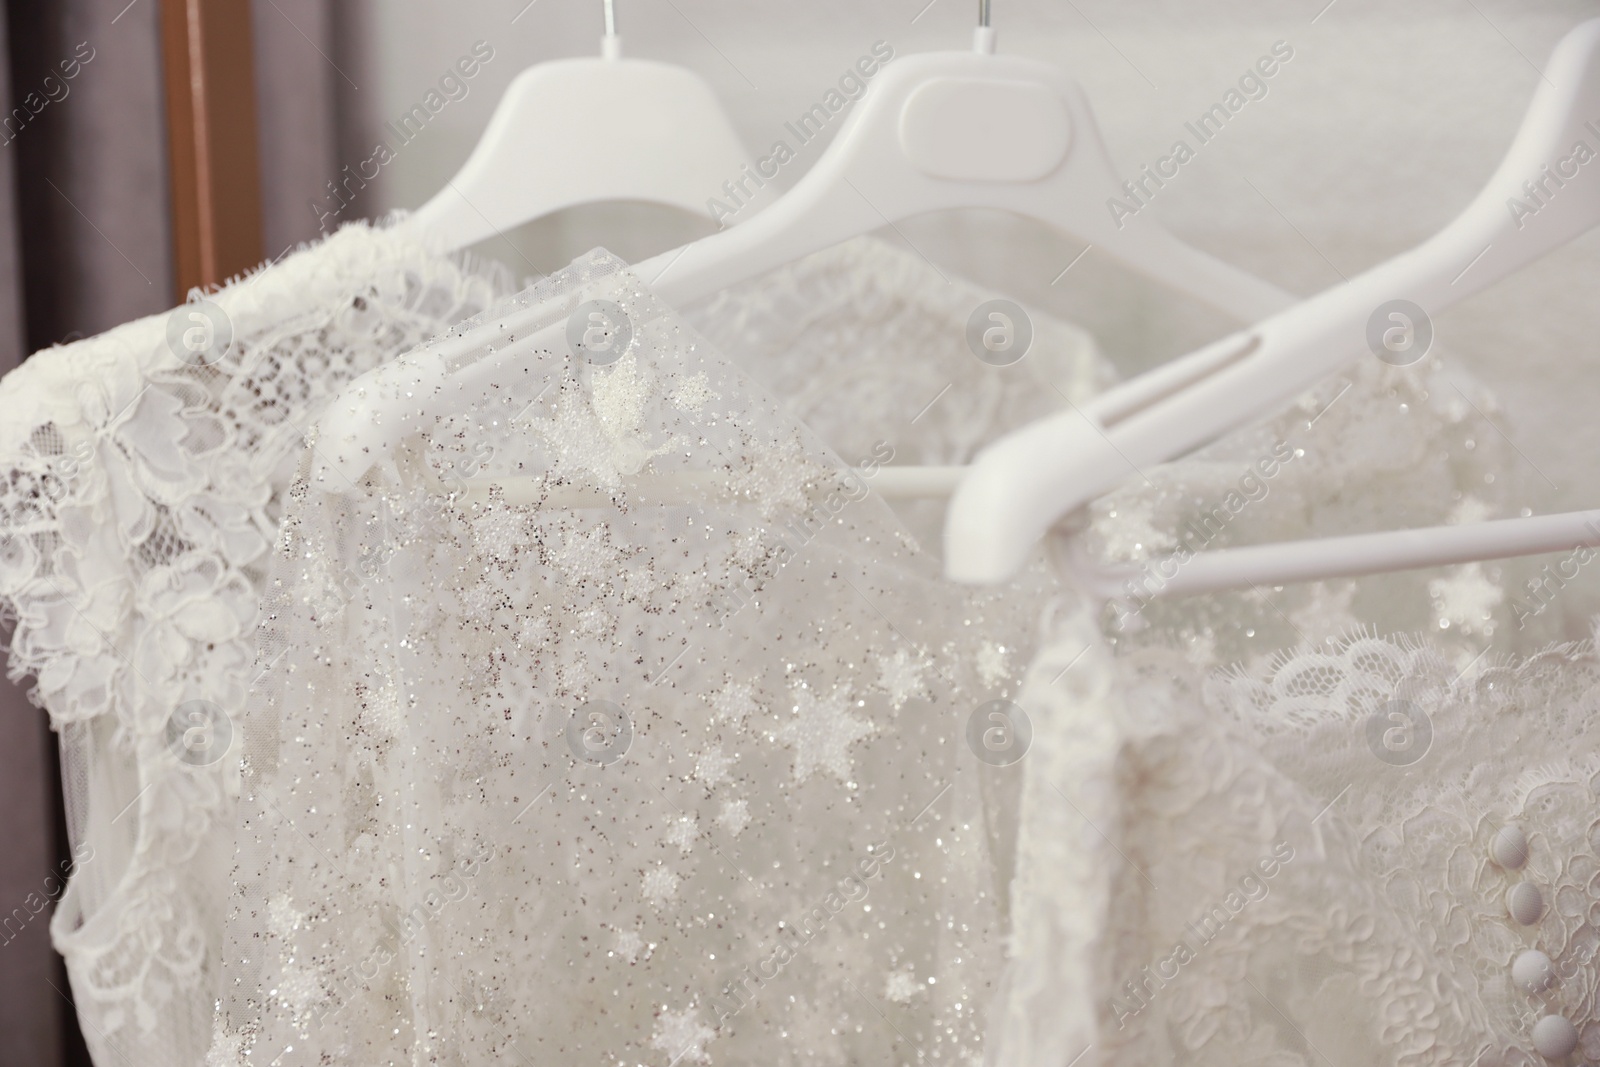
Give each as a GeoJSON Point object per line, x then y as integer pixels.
{"type": "Point", "coordinates": [1021, 485]}
{"type": "Point", "coordinates": [947, 130]}
{"type": "Point", "coordinates": [933, 132]}
{"type": "Point", "coordinates": [582, 131]}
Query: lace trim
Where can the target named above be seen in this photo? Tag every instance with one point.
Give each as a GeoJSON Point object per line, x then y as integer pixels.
{"type": "Point", "coordinates": [140, 497]}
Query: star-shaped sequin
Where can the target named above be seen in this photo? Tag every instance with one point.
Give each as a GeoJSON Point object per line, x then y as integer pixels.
{"type": "Point", "coordinates": [735, 816]}
{"type": "Point", "coordinates": [734, 702]}
{"type": "Point", "coordinates": [992, 665]}
{"type": "Point", "coordinates": [660, 886]}
{"type": "Point", "coordinates": [693, 393]}
{"type": "Point", "coordinates": [711, 766]}
{"type": "Point", "coordinates": [630, 946]}
{"type": "Point", "coordinates": [683, 831]}
{"type": "Point", "coordinates": [821, 732]}
{"type": "Point", "coordinates": [902, 986]}
{"type": "Point", "coordinates": [901, 676]}
{"type": "Point", "coordinates": [682, 1036]}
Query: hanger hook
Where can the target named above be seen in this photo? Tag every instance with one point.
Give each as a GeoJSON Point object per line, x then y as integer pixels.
{"type": "Point", "coordinates": [611, 44]}
{"type": "Point", "coordinates": [983, 35]}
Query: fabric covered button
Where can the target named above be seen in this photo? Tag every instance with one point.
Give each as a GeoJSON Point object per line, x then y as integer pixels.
{"type": "Point", "coordinates": [1554, 1037]}
{"type": "Point", "coordinates": [1510, 847]}
{"type": "Point", "coordinates": [1525, 903]}
{"type": "Point", "coordinates": [1532, 971]}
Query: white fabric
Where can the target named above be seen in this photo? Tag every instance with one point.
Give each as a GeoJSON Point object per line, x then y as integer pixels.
{"type": "Point", "coordinates": [139, 499]}
{"type": "Point", "coordinates": [867, 345]}
{"type": "Point", "coordinates": [1372, 448]}
{"type": "Point", "coordinates": [1186, 889]}
{"type": "Point", "coordinates": [142, 494]}
{"type": "Point", "coordinates": [1280, 866]}
{"type": "Point", "coordinates": [795, 858]}
{"type": "Point", "coordinates": [1502, 744]}
{"type": "Point", "coordinates": [864, 341]}
{"type": "Point", "coordinates": [1289, 861]}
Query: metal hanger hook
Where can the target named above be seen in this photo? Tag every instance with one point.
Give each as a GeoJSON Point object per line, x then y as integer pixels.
{"type": "Point", "coordinates": [983, 34]}
{"type": "Point", "coordinates": [611, 17]}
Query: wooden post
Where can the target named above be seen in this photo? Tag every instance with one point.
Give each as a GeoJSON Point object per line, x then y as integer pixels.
{"type": "Point", "coordinates": [211, 137]}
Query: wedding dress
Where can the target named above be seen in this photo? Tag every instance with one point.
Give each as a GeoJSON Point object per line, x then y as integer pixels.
{"type": "Point", "coordinates": [1138, 735]}
{"type": "Point", "coordinates": [615, 720]}
{"type": "Point", "coordinates": [1358, 854]}
{"type": "Point", "coordinates": [144, 472]}
{"type": "Point", "coordinates": [362, 933]}
{"type": "Point", "coordinates": [1360, 849]}
{"type": "Point", "coordinates": [1141, 776]}
{"type": "Point", "coordinates": [135, 524]}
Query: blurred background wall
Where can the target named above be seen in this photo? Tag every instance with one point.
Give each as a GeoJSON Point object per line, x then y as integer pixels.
{"type": "Point", "coordinates": [1384, 124]}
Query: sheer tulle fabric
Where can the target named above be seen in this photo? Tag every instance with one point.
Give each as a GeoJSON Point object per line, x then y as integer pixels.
{"type": "Point", "coordinates": [614, 720]}
{"type": "Point", "coordinates": [1374, 448]}
{"type": "Point", "coordinates": [867, 345]}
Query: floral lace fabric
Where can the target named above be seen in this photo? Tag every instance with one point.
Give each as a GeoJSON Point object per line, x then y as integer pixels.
{"type": "Point", "coordinates": [863, 337]}
{"type": "Point", "coordinates": [1360, 849]}
{"type": "Point", "coordinates": [1182, 900]}
{"type": "Point", "coordinates": [646, 742]}
{"type": "Point", "coordinates": [1464, 800]}
{"type": "Point", "coordinates": [867, 345]}
{"type": "Point", "coordinates": [141, 494]}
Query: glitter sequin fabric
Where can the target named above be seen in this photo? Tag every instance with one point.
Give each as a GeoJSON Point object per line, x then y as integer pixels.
{"type": "Point", "coordinates": [615, 721]}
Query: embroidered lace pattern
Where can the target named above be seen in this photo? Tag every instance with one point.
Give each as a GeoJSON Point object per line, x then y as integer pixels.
{"type": "Point", "coordinates": [1223, 908]}
{"type": "Point", "coordinates": [1463, 797]}
{"type": "Point", "coordinates": [140, 498]}
{"type": "Point", "coordinates": [867, 345]}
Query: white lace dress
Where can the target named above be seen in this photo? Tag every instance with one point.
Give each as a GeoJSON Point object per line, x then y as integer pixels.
{"type": "Point", "coordinates": [648, 742]}
{"type": "Point", "coordinates": [1360, 849]}
{"type": "Point", "coordinates": [1357, 854]}
{"type": "Point", "coordinates": [143, 478]}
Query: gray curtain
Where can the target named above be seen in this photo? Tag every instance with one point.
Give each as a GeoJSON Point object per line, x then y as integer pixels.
{"type": "Point", "coordinates": [92, 168]}
{"type": "Point", "coordinates": [33, 1006]}
{"type": "Point", "coordinates": [296, 99]}
{"type": "Point", "coordinates": [84, 245]}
